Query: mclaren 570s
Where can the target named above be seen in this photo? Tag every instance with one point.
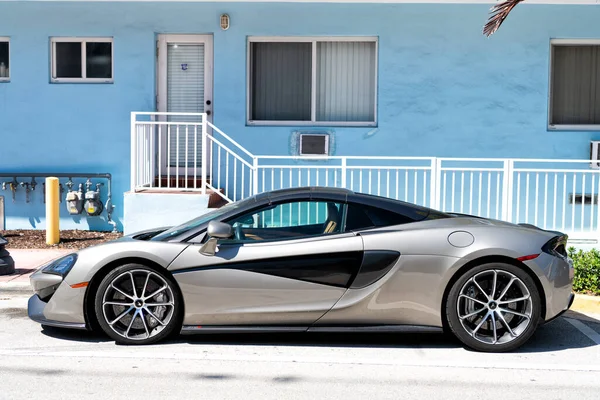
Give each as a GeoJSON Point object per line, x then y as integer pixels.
{"type": "Point", "coordinates": [314, 259]}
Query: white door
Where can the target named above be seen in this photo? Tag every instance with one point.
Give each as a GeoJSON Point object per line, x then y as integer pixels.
{"type": "Point", "coordinates": [185, 75]}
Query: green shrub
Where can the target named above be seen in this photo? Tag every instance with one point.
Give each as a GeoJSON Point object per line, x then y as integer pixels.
{"type": "Point", "coordinates": [587, 271]}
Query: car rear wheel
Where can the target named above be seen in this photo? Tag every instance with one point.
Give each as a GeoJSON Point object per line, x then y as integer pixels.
{"type": "Point", "coordinates": [493, 307]}
{"type": "Point", "coordinates": [135, 304]}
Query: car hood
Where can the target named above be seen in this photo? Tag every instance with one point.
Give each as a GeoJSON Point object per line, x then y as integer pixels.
{"type": "Point", "coordinates": [145, 234]}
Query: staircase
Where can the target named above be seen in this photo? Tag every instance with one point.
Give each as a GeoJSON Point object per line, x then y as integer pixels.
{"type": "Point", "coordinates": [166, 184]}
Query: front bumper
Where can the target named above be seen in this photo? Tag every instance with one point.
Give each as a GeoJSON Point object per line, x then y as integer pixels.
{"type": "Point", "coordinates": [35, 310]}
{"type": "Point", "coordinates": [55, 303]}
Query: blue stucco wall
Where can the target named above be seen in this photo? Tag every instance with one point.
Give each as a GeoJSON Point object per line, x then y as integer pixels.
{"type": "Point", "coordinates": [444, 89]}
{"type": "Point", "coordinates": [138, 207]}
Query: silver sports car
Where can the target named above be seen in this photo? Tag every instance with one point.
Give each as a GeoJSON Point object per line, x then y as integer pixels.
{"type": "Point", "coordinates": [314, 259]}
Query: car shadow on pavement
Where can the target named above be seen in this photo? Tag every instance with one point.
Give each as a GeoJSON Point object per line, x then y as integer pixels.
{"type": "Point", "coordinates": [554, 336]}
{"type": "Point", "coordinates": [74, 335]}
{"type": "Point", "coordinates": [314, 339]}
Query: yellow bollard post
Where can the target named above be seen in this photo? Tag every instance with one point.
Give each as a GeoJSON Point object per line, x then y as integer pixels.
{"type": "Point", "coordinates": [52, 211]}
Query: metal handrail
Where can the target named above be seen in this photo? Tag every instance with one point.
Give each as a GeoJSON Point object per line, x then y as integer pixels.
{"type": "Point", "coordinates": [236, 144]}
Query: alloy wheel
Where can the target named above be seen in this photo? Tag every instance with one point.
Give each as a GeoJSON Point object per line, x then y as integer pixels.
{"type": "Point", "coordinates": [495, 307]}
{"type": "Point", "coordinates": [138, 304]}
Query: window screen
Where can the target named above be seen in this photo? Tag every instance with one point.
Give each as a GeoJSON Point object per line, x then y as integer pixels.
{"type": "Point", "coordinates": [575, 98]}
{"type": "Point", "coordinates": [281, 81]}
{"type": "Point", "coordinates": [4, 59]}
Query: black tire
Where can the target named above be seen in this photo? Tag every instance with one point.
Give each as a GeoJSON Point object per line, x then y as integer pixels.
{"type": "Point", "coordinates": [141, 313]}
{"type": "Point", "coordinates": [523, 326]}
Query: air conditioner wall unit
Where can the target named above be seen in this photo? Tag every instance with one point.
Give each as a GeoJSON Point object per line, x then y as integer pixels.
{"type": "Point", "coordinates": [314, 144]}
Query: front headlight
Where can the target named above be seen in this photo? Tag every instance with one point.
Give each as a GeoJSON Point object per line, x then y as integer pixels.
{"type": "Point", "coordinates": [60, 266]}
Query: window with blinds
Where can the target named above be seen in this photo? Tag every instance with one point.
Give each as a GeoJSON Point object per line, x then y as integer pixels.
{"type": "Point", "coordinates": [575, 84]}
{"type": "Point", "coordinates": [300, 80]}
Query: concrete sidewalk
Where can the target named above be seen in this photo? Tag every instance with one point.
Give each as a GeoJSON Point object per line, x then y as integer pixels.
{"type": "Point", "coordinates": [27, 261]}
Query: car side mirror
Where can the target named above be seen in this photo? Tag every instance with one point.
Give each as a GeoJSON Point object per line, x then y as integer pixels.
{"type": "Point", "coordinates": [216, 230]}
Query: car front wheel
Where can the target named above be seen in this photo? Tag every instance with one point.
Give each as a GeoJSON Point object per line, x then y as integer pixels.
{"type": "Point", "coordinates": [493, 307]}
{"type": "Point", "coordinates": [135, 304]}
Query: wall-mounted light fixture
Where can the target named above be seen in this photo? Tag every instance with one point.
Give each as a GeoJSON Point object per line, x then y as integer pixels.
{"type": "Point", "coordinates": [224, 22]}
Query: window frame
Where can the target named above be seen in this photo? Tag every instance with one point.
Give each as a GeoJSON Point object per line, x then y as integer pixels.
{"type": "Point", "coordinates": [82, 41]}
{"type": "Point", "coordinates": [6, 79]}
{"type": "Point", "coordinates": [566, 127]}
{"type": "Point", "coordinates": [314, 40]}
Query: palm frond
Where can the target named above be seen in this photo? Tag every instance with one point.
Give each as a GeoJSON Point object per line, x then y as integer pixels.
{"type": "Point", "coordinates": [498, 14]}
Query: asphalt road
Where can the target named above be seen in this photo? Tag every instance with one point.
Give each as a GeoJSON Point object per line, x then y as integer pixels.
{"type": "Point", "coordinates": [562, 361]}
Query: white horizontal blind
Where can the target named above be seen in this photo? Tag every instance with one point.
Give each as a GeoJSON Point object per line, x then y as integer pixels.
{"type": "Point", "coordinates": [576, 85]}
{"type": "Point", "coordinates": [281, 81]}
{"type": "Point", "coordinates": [185, 94]}
{"type": "Point", "coordinates": [346, 81]}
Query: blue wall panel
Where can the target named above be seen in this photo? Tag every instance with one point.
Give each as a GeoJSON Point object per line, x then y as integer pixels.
{"type": "Point", "coordinates": [444, 89]}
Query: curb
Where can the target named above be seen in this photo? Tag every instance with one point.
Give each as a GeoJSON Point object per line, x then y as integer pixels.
{"type": "Point", "coordinates": [586, 304]}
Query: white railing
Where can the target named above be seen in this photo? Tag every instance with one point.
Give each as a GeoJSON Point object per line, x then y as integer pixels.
{"type": "Point", "coordinates": [405, 178]}
{"type": "Point", "coordinates": [230, 166]}
{"type": "Point", "coordinates": [552, 194]}
{"type": "Point", "coordinates": [166, 152]}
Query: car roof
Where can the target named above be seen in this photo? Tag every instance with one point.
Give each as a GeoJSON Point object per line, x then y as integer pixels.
{"type": "Point", "coordinates": [314, 190]}
{"type": "Point", "coordinates": [346, 195]}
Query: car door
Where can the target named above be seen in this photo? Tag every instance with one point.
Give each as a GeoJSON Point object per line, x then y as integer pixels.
{"type": "Point", "coordinates": [288, 264]}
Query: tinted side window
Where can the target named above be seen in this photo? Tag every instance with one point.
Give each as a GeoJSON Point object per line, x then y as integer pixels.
{"type": "Point", "coordinates": [361, 217]}
{"type": "Point", "coordinates": [288, 221]}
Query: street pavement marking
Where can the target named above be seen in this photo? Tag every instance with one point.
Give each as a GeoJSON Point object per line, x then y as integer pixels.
{"type": "Point", "coordinates": [484, 364]}
{"type": "Point", "coordinates": [586, 330]}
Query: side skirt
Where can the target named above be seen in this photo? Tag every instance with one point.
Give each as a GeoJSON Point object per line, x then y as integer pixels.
{"type": "Point", "coordinates": [193, 329]}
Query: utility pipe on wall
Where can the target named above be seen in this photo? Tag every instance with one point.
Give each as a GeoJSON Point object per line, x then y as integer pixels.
{"type": "Point", "coordinates": [108, 206]}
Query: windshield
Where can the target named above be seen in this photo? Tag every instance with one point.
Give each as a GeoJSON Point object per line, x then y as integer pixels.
{"type": "Point", "coordinates": [196, 222]}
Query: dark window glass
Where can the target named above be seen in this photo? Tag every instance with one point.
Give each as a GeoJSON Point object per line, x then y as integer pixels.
{"type": "Point", "coordinates": [4, 61]}
{"type": "Point", "coordinates": [361, 217]}
{"type": "Point", "coordinates": [68, 60]}
{"type": "Point", "coordinates": [281, 81]}
{"type": "Point", "coordinates": [98, 60]}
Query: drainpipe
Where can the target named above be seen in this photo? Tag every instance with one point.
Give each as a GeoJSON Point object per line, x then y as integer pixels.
{"type": "Point", "coordinates": [7, 264]}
